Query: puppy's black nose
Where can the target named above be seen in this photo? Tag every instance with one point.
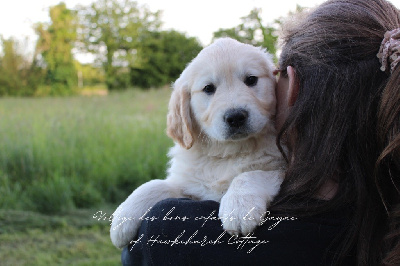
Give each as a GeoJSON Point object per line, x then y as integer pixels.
{"type": "Point", "coordinates": [236, 117]}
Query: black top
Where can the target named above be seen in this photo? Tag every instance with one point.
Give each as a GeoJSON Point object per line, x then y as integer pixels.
{"type": "Point", "coordinates": [188, 232]}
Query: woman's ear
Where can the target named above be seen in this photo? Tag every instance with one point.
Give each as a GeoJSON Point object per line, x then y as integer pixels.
{"type": "Point", "coordinates": [293, 90]}
{"type": "Point", "coordinates": [179, 122]}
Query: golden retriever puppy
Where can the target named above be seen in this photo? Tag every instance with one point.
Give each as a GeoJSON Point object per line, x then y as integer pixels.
{"type": "Point", "coordinates": [220, 117]}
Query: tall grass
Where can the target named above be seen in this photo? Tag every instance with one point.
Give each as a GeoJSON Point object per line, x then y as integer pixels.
{"type": "Point", "coordinates": [60, 153]}
{"type": "Point", "coordinates": [70, 238]}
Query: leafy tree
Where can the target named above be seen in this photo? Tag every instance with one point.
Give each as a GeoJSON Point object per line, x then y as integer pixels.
{"type": "Point", "coordinates": [89, 74]}
{"type": "Point", "coordinates": [162, 57]}
{"type": "Point", "coordinates": [299, 9]}
{"type": "Point", "coordinates": [252, 31]}
{"type": "Point", "coordinates": [18, 76]}
{"type": "Point", "coordinates": [112, 30]}
{"type": "Point", "coordinates": [55, 45]}
{"type": "Point", "coordinates": [10, 68]}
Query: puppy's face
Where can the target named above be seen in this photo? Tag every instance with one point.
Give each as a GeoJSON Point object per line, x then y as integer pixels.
{"type": "Point", "coordinates": [230, 89]}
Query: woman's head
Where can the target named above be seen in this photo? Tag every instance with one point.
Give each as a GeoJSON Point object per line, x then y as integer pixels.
{"type": "Point", "coordinates": [345, 112]}
{"type": "Point", "coordinates": [335, 47]}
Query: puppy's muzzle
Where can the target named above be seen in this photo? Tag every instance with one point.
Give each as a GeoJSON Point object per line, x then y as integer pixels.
{"type": "Point", "coordinates": [236, 118]}
{"type": "Point", "coordinates": [236, 121]}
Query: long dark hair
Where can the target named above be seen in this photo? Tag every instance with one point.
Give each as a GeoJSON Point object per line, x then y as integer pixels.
{"type": "Point", "coordinates": [387, 170]}
{"type": "Point", "coordinates": [344, 125]}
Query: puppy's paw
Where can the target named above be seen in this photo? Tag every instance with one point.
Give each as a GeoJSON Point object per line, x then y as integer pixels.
{"type": "Point", "coordinates": [124, 228]}
{"type": "Point", "coordinates": [241, 216]}
{"type": "Point", "coordinates": [244, 205]}
{"type": "Point", "coordinates": [129, 215]}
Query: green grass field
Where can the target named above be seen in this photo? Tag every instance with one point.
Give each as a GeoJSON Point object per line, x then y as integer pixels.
{"type": "Point", "coordinates": [63, 159]}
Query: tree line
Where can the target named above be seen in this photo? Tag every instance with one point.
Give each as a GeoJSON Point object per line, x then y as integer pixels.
{"type": "Point", "coordinates": [128, 44]}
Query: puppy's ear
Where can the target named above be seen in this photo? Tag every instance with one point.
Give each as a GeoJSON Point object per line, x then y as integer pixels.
{"type": "Point", "coordinates": [179, 122]}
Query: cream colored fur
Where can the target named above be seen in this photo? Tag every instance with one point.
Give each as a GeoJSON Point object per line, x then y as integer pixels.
{"type": "Point", "coordinates": [243, 174]}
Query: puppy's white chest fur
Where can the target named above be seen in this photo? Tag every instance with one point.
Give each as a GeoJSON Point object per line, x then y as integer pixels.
{"type": "Point", "coordinates": [206, 173]}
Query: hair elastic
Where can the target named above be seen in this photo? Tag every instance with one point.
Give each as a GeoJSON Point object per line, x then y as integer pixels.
{"type": "Point", "coordinates": [389, 52]}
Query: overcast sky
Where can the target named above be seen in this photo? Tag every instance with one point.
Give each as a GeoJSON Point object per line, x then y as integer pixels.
{"type": "Point", "coordinates": [196, 18]}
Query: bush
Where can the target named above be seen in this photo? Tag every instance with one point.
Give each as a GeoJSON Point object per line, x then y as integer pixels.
{"type": "Point", "coordinates": [12, 196]}
{"type": "Point", "coordinates": [85, 195]}
{"type": "Point", "coordinates": [119, 80]}
{"type": "Point", "coordinates": [52, 195]}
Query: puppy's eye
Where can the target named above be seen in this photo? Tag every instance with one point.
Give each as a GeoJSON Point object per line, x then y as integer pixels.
{"type": "Point", "coordinates": [251, 81]}
{"type": "Point", "coordinates": [209, 89]}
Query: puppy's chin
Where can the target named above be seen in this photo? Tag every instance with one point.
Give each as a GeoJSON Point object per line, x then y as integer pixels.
{"type": "Point", "coordinates": [240, 134]}
{"type": "Point", "coordinates": [237, 135]}
{"type": "Point", "coordinates": [227, 134]}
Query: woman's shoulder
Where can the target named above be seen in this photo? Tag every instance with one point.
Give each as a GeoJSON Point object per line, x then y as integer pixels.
{"type": "Point", "coordinates": [184, 231]}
